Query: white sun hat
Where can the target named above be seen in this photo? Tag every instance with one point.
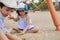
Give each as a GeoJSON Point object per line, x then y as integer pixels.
{"type": "Point", "coordinates": [22, 6]}
{"type": "Point", "coordinates": [9, 3]}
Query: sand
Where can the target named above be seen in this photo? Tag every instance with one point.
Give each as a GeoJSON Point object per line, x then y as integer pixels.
{"type": "Point", "coordinates": [41, 19]}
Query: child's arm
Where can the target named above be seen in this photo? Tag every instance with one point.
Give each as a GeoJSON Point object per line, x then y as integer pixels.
{"type": "Point", "coordinates": [27, 25]}
{"type": "Point", "coordinates": [10, 30]}
{"type": "Point", "coordinates": [15, 19]}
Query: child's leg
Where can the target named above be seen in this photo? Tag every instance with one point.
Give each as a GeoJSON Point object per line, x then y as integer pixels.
{"type": "Point", "coordinates": [15, 28]}
{"type": "Point", "coordinates": [12, 37]}
{"type": "Point", "coordinates": [34, 30]}
{"type": "Point", "coordinates": [3, 36]}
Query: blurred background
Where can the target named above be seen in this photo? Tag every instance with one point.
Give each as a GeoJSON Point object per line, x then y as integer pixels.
{"type": "Point", "coordinates": [38, 2]}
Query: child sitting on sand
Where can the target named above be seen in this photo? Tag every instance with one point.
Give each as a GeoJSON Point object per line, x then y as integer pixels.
{"type": "Point", "coordinates": [6, 7]}
{"type": "Point", "coordinates": [24, 21]}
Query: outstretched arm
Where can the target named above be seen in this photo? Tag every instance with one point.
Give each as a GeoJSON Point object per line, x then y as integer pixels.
{"type": "Point", "coordinates": [15, 19]}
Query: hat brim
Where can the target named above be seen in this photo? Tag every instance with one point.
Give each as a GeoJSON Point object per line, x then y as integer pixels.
{"type": "Point", "coordinates": [22, 9]}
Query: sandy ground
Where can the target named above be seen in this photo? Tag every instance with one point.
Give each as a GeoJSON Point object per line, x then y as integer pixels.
{"type": "Point", "coordinates": [42, 20]}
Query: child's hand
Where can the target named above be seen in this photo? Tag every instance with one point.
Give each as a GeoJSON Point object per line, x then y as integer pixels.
{"type": "Point", "coordinates": [22, 33]}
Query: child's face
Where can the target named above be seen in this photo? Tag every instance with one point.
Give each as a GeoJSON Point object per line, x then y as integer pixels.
{"type": "Point", "coordinates": [21, 12]}
{"type": "Point", "coordinates": [5, 11]}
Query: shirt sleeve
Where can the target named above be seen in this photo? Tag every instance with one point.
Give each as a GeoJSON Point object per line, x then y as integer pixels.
{"type": "Point", "coordinates": [2, 26]}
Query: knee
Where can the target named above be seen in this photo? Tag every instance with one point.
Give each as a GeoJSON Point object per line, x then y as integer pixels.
{"type": "Point", "coordinates": [36, 30]}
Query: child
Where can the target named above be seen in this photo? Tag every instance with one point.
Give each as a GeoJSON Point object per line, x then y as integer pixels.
{"type": "Point", "coordinates": [24, 21]}
{"type": "Point", "coordinates": [6, 7]}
